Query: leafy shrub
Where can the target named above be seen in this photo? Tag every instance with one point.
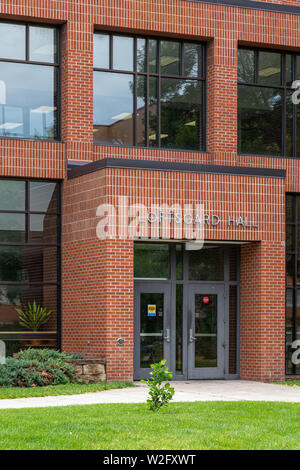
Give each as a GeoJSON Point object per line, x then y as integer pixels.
{"type": "Point", "coordinates": [160, 394]}
{"type": "Point", "coordinates": [44, 355]}
{"type": "Point", "coordinates": [37, 367]}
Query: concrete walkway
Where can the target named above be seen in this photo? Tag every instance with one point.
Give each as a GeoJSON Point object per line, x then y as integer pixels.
{"type": "Point", "coordinates": [204, 390]}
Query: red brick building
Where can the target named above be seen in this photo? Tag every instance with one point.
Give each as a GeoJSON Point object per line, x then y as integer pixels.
{"type": "Point", "coordinates": [180, 117]}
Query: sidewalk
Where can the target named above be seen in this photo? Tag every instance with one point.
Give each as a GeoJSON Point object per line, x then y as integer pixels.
{"type": "Point", "coordinates": [204, 390]}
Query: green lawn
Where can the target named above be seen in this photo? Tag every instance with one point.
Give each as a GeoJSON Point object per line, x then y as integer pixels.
{"type": "Point", "coordinates": [53, 390]}
{"type": "Point", "coordinates": [291, 383]}
{"type": "Point", "coordinates": [208, 425]}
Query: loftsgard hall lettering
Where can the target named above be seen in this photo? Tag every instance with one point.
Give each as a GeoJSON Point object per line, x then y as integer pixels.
{"type": "Point", "coordinates": [212, 220]}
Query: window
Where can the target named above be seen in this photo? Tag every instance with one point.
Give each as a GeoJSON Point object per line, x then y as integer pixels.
{"type": "Point", "coordinates": [268, 122]}
{"type": "Point", "coordinates": [29, 266]}
{"type": "Point", "coordinates": [28, 81]}
{"type": "Point", "coordinates": [152, 261]}
{"type": "Point", "coordinates": [292, 279]}
{"type": "Point", "coordinates": [206, 264]}
{"type": "Point", "coordinates": [148, 92]}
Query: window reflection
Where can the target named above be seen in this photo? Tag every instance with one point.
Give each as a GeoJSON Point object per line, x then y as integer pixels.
{"type": "Point", "coordinates": [192, 60]}
{"type": "Point", "coordinates": [28, 91]}
{"type": "Point", "coordinates": [12, 41]}
{"type": "Point", "coordinates": [153, 111]}
{"type": "Point", "coordinates": [43, 228]}
{"type": "Point", "coordinates": [43, 196]}
{"type": "Point", "coordinates": [289, 70]}
{"type": "Point", "coordinates": [151, 261]}
{"type": "Point", "coordinates": [292, 279]}
{"type": "Point", "coordinates": [148, 108]}
{"type": "Point", "coordinates": [141, 114]}
{"type": "Point", "coordinates": [152, 56]}
{"type": "Point", "coordinates": [12, 228]}
{"type": "Point", "coordinates": [246, 66]}
{"type": "Point", "coordinates": [269, 71]}
{"type": "Point", "coordinates": [181, 99]}
{"type": "Point", "coordinates": [122, 53]}
{"type": "Point", "coordinates": [12, 195]}
{"type": "Point", "coordinates": [268, 121]}
{"type": "Point", "coordinates": [42, 44]}
{"type": "Point", "coordinates": [141, 55]}
{"type": "Point", "coordinates": [28, 264]}
{"type": "Point", "coordinates": [169, 58]}
{"type": "Point", "coordinates": [297, 68]}
{"type": "Point", "coordinates": [28, 107]}
{"type": "Point", "coordinates": [206, 316]}
{"type": "Point", "coordinates": [113, 108]}
{"type": "Point", "coordinates": [289, 208]}
{"type": "Point", "coordinates": [151, 338]}
{"type": "Point", "coordinates": [206, 264]}
{"type": "Point", "coordinates": [260, 120]}
{"type": "Point", "coordinates": [28, 259]}
{"type": "Point", "coordinates": [101, 51]}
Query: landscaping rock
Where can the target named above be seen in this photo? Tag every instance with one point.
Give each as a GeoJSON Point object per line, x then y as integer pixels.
{"type": "Point", "coordinates": [89, 370]}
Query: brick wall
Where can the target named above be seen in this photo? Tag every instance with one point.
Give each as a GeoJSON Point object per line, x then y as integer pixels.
{"type": "Point", "coordinates": [96, 277]}
{"type": "Point", "coordinates": [262, 318]}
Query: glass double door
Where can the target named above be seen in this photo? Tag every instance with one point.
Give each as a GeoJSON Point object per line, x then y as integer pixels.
{"type": "Point", "coordinates": [201, 330]}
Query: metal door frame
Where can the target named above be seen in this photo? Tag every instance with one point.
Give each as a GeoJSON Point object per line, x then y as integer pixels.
{"type": "Point", "coordinates": [149, 287]}
{"type": "Point", "coordinates": [207, 372]}
{"type": "Point", "coordinates": [186, 285]}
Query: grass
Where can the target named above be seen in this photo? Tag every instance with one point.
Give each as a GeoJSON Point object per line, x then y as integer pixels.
{"type": "Point", "coordinates": [198, 425]}
{"type": "Point", "coordinates": [53, 390]}
{"type": "Point", "coordinates": [292, 383]}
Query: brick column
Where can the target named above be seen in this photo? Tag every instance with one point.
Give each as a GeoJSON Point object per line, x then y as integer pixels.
{"type": "Point", "coordinates": [97, 282]}
{"type": "Point", "coordinates": [222, 99]}
{"type": "Point", "coordinates": [119, 309]}
{"type": "Point", "coordinates": [77, 88]}
{"type": "Point", "coordinates": [263, 311]}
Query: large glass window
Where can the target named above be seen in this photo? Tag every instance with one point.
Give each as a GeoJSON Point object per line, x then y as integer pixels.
{"type": "Point", "coordinates": [148, 92]}
{"type": "Point", "coordinates": [28, 81]}
{"type": "Point", "coordinates": [268, 122]}
{"type": "Point", "coordinates": [292, 280]}
{"type": "Point", "coordinates": [29, 267]}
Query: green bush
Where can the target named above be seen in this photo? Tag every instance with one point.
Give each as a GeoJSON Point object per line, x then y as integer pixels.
{"type": "Point", "coordinates": [159, 394]}
{"type": "Point", "coordinates": [37, 367]}
{"type": "Point", "coordinates": [44, 355]}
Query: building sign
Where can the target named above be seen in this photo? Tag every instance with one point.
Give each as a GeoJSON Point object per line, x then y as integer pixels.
{"type": "Point", "coordinates": [166, 221]}
{"type": "Point", "coordinates": [212, 220]}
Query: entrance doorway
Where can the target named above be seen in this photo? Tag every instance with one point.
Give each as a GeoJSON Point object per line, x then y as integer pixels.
{"type": "Point", "coordinates": [186, 310]}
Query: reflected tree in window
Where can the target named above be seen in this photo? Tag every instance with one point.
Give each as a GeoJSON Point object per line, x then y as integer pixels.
{"type": "Point", "coordinates": [167, 112]}
{"type": "Point", "coordinates": [268, 122]}
{"type": "Point", "coordinates": [260, 120]}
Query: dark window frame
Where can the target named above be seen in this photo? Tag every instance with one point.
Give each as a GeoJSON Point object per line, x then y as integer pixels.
{"type": "Point", "coordinates": [294, 288]}
{"type": "Point", "coordinates": [56, 64]}
{"type": "Point", "coordinates": [58, 244]}
{"type": "Point", "coordinates": [147, 74]}
{"type": "Point", "coordinates": [284, 88]}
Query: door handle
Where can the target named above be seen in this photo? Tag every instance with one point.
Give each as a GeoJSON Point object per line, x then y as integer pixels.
{"type": "Point", "coordinates": [167, 338]}
{"type": "Point", "coordinates": [192, 338]}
